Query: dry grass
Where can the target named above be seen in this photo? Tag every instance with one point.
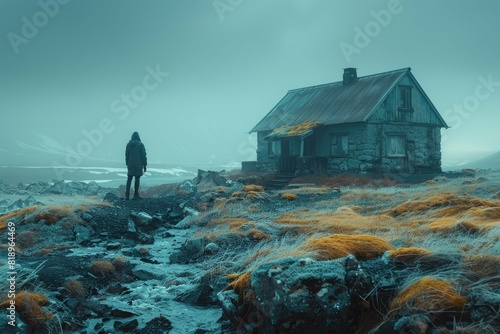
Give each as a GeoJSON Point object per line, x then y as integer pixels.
{"type": "Point", "coordinates": [430, 295]}
{"type": "Point", "coordinates": [483, 265]}
{"type": "Point", "coordinates": [253, 188]}
{"type": "Point", "coordinates": [29, 306]}
{"type": "Point", "coordinates": [240, 283]}
{"type": "Point", "coordinates": [16, 214]}
{"type": "Point", "coordinates": [75, 288]}
{"type": "Point", "coordinates": [102, 267]}
{"type": "Point", "coordinates": [408, 254]}
{"type": "Point", "coordinates": [25, 240]}
{"type": "Point", "coordinates": [346, 180]}
{"type": "Point", "coordinates": [344, 220]}
{"type": "Point", "coordinates": [363, 247]}
{"type": "Point", "coordinates": [444, 205]}
{"type": "Point", "coordinates": [54, 248]}
{"type": "Point", "coordinates": [120, 263]}
{"type": "Point", "coordinates": [290, 196]}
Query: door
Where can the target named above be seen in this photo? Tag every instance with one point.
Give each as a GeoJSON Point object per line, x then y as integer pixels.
{"type": "Point", "coordinates": [286, 163]}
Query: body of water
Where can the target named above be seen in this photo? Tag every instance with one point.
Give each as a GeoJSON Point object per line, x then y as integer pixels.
{"type": "Point", "coordinates": [105, 176]}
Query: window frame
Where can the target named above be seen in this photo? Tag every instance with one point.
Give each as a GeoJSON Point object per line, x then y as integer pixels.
{"type": "Point", "coordinates": [272, 153]}
{"type": "Point", "coordinates": [337, 136]}
{"type": "Point", "coordinates": [405, 97]}
{"type": "Point", "coordinates": [389, 153]}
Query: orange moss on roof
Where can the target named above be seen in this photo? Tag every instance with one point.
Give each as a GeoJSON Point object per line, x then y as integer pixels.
{"type": "Point", "coordinates": [363, 247]}
{"type": "Point", "coordinates": [429, 294]}
{"type": "Point", "coordinates": [28, 304]}
{"type": "Point", "coordinates": [408, 254]}
{"type": "Point", "coordinates": [295, 130]}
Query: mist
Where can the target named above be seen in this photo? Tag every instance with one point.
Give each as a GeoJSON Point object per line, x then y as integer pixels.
{"type": "Point", "coordinates": [194, 77]}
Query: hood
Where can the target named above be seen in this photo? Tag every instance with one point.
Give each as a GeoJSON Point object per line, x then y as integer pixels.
{"type": "Point", "coordinates": [135, 136]}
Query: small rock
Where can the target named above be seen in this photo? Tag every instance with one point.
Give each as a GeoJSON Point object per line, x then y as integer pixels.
{"type": "Point", "coordinates": [198, 295]}
{"type": "Point", "coordinates": [121, 314]}
{"type": "Point", "coordinates": [211, 248]}
{"type": "Point", "coordinates": [129, 326]}
{"type": "Point", "coordinates": [145, 275]}
{"type": "Point", "coordinates": [141, 218]}
{"type": "Point", "coordinates": [158, 325]}
{"type": "Point", "coordinates": [85, 216]}
{"type": "Point", "coordinates": [116, 288]}
{"type": "Point", "coordinates": [82, 234]}
{"type": "Point", "coordinates": [113, 245]}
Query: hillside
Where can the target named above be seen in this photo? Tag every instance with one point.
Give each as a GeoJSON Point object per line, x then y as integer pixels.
{"type": "Point", "coordinates": [344, 255]}
{"type": "Point", "coordinates": [490, 162]}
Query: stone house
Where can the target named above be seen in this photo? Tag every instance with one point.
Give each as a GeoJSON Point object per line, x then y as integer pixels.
{"type": "Point", "coordinates": [373, 124]}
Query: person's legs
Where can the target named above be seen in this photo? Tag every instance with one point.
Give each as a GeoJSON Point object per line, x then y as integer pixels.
{"type": "Point", "coordinates": [127, 191]}
{"type": "Point", "coordinates": [136, 186]}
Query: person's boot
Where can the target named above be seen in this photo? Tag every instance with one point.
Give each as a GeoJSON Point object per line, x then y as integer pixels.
{"type": "Point", "coordinates": [127, 196]}
{"type": "Point", "coordinates": [136, 196]}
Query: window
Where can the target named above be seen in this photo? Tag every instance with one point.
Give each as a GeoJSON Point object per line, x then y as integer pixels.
{"type": "Point", "coordinates": [396, 146]}
{"type": "Point", "coordinates": [405, 98]}
{"type": "Point", "coordinates": [274, 148]}
{"type": "Point", "coordinates": [339, 145]}
{"type": "Point", "coordinates": [295, 147]}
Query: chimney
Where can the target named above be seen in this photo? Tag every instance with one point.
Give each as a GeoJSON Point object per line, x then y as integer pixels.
{"type": "Point", "coordinates": [350, 75]}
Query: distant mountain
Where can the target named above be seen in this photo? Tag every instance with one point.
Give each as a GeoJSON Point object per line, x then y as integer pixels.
{"type": "Point", "coordinates": [493, 162]}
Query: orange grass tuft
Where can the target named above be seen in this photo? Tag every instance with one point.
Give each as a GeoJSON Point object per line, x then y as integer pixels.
{"type": "Point", "coordinates": [483, 265]}
{"type": "Point", "coordinates": [75, 288]}
{"type": "Point", "coordinates": [253, 188]}
{"type": "Point", "coordinates": [257, 234]}
{"type": "Point", "coordinates": [103, 267]}
{"type": "Point", "coordinates": [52, 215]}
{"type": "Point", "coordinates": [290, 196]}
{"type": "Point", "coordinates": [29, 304]}
{"type": "Point", "coordinates": [120, 263]}
{"type": "Point", "coordinates": [408, 254]}
{"type": "Point", "coordinates": [429, 294]}
{"type": "Point", "coordinates": [15, 214]}
{"type": "Point", "coordinates": [240, 284]}
{"type": "Point", "coordinates": [445, 204]}
{"type": "Point", "coordinates": [363, 247]}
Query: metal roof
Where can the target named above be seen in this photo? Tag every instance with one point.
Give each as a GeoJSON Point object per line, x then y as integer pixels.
{"type": "Point", "coordinates": [332, 103]}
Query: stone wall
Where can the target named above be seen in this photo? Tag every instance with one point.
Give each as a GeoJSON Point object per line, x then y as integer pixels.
{"type": "Point", "coordinates": [265, 162]}
{"type": "Point", "coordinates": [368, 149]}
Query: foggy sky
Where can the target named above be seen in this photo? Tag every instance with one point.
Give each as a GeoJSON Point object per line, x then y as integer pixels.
{"type": "Point", "coordinates": [193, 77]}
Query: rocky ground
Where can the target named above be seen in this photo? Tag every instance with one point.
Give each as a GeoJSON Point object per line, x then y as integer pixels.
{"type": "Point", "coordinates": [218, 256]}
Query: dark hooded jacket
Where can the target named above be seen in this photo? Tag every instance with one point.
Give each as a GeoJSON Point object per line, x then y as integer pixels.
{"type": "Point", "coordinates": [135, 156]}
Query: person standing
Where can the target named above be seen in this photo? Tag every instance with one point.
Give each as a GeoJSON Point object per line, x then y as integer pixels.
{"type": "Point", "coordinates": [135, 158]}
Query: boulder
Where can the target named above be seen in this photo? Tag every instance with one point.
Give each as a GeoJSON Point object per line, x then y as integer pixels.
{"type": "Point", "coordinates": [141, 219]}
{"type": "Point", "coordinates": [209, 180]}
{"type": "Point", "coordinates": [300, 294]}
